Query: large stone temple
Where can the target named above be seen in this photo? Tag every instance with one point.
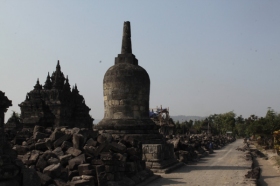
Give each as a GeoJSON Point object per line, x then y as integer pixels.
{"type": "Point", "coordinates": [55, 104]}
{"type": "Point", "coordinates": [126, 90]}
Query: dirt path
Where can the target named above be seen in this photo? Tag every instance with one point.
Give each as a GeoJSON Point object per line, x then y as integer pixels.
{"type": "Point", "coordinates": [226, 167]}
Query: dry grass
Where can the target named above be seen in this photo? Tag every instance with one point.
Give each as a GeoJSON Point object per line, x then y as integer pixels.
{"type": "Point", "coordinates": [277, 160]}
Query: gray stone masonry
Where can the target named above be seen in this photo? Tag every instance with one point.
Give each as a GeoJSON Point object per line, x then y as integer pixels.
{"type": "Point", "coordinates": [126, 91]}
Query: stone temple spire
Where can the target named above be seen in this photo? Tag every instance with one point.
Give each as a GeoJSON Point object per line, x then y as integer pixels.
{"type": "Point", "coordinates": [57, 78]}
{"type": "Point", "coordinates": [66, 86]}
{"type": "Point", "coordinates": [38, 86]}
{"type": "Point", "coordinates": [126, 39]}
{"type": "Point", "coordinates": [58, 66]}
{"type": "Point", "coordinates": [48, 83]}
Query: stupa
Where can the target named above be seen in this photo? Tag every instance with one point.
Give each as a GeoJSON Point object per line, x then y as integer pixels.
{"type": "Point", "coordinates": [126, 91]}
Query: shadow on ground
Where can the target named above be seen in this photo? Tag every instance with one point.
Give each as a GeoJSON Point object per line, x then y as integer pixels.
{"type": "Point", "coordinates": [173, 181]}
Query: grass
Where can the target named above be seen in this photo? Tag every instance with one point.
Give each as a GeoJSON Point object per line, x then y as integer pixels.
{"type": "Point", "coordinates": [277, 160]}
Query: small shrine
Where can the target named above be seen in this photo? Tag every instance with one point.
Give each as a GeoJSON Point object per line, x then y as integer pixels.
{"type": "Point", "coordinates": [162, 118]}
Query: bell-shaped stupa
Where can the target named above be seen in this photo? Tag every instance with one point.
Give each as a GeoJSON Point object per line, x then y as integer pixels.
{"type": "Point", "coordinates": [126, 90]}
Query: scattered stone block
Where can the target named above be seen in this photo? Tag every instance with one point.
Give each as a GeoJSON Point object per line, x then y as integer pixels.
{"type": "Point", "coordinates": [53, 171]}
{"type": "Point", "coordinates": [39, 135]}
{"type": "Point", "coordinates": [56, 134]}
{"type": "Point", "coordinates": [41, 163]}
{"type": "Point", "coordinates": [45, 179]}
{"type": "Point", "coordinates": [75, 162]}
{"type": "Point", "coordinates": [66, 145]}
{"type": "Point", "coordinates": [78, 140]}
{"type": "Point", "coordinates": [82, 183]}
{"type": "Point", "coordinates": [58, 151]}
{"type": "Point", "coordinates": [73, 151]}
{"type": "Point", "coordinates": [91, 142]}
{"type": "Point", "coordinates": [64, 159]}
{"type": "Point", "coordinates": [52, 161]}
{"type": "Point", "coordinates": [59, 141]}
{"type": "Point", "coordinates": [59, 182]}
{"type": "Point", "coordinates": [41, 146]}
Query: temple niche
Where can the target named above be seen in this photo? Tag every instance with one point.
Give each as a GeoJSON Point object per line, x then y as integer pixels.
{"type": "Point", "coordinates": [55, 104]}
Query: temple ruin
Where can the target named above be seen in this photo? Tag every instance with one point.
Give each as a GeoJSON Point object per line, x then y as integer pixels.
{"type": "Point", "coordinates": [162, 118]}
{"type": "Point", "coordinates": [126, 90]}
{"type": "Point", "coordinates": [55, 104]}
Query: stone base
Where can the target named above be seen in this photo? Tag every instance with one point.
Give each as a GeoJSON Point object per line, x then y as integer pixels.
{"type": "Point", "coordinates": [160, 157]}
{"type": "Point", "coordinates": [156, 152]}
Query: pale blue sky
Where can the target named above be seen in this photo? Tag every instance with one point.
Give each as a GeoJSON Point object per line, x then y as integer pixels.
{"type": "Point", "coordinates": [203, 57]}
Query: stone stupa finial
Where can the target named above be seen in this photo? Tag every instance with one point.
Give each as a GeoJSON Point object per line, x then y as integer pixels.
{"type": "Point", "coordinates": [126, 39]}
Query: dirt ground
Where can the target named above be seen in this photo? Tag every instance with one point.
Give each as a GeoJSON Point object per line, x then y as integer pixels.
{"type": "Point", "coordinates": [270, 174]}
{"type": "Point", "coordinates": [226, 167]}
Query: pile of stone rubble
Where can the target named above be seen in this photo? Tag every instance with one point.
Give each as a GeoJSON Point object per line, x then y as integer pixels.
{"type": "Point", "coordinates": [254, 173]}
{"type": "Point", "coordinates": [190, 148]}
{"type": "Point", "coordinates": [73, 156]}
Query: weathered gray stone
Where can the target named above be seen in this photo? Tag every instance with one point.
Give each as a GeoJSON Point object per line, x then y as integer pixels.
{"type": "Point", "coordinates": [118, 147]}
{"type": "Point", "coordinates": [48, 143]}
{"type": "Point", "coordinates": [89, 150]}
{"type": "Point", "coordinates": [53, 171]}
{"type": "Point", "coordinates": [56, 134]}
{"type": "Point", "coordinates": [41, 163]}
{"type": "Point", "coordinates": [59, 141]}
{"type": "Point", "coordinates": [101, 174]}
{"type": "Point", "coordinates": [58, 151]}
{"type": "Point", "coordinates": [101, 148]}
{"type": "Point", "coordinates": [64, 159]}
{"type": "Point", "coordinates": [25, 159]}
{"type": "Point", "coordinates": [45, 179]}
{"type": "Point", "coordinates": [82, 183]}
{"type": "Point", "coordinates": [87, 177]}
{"type": "Point", "coordinates": [39, 135]}
{"type": "Point", "coordinates": [59, 182]}
{"type": "Point", "coordinates": [52, 161]}
{"type": "Point", "coordinates": [72, 174]}
{"type": "Point", "coordinates": [41, 146]}
{"type": "Point", "coordinates": [75, 130]}
{"type": "Point", "coordinates": [76, 178]}
{"type": "Point", "coordinates": [78, 141]}
{"type": "Point", "coordinates": [34, 156]}
{"type": "Point", "coordinates": [66, 145]}
{"type": "Point", "coordinates": [101, 139]}
{"type": "Point", "coordinates": [83, 169]}
{"type": "Point", "coordinates": [73, 151]}
{"type": "Point", "coordinates": [30, 177]}
{"type": "Point", "coordinates": [91, 142]}
{"type": "Point", "coordinates": [38, 128]}
{"type": "Point", "coordinates": [75, 162]}
{"type": "Point", "coordinates": [21, 150]}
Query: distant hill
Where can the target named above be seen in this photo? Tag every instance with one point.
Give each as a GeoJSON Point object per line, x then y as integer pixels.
{"type": "Point", "coordinates": [182, 118]}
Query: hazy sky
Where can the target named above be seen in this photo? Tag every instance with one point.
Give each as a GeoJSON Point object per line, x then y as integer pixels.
{"type": "Point", "coordinates": [203, 57]}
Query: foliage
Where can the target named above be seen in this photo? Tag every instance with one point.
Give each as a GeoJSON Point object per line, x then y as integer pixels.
{"type": "Point", "coordinates": [242, 127]}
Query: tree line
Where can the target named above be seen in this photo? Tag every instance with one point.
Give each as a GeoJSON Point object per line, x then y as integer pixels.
{"type": "Point", "coordinates": [229, 122]}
